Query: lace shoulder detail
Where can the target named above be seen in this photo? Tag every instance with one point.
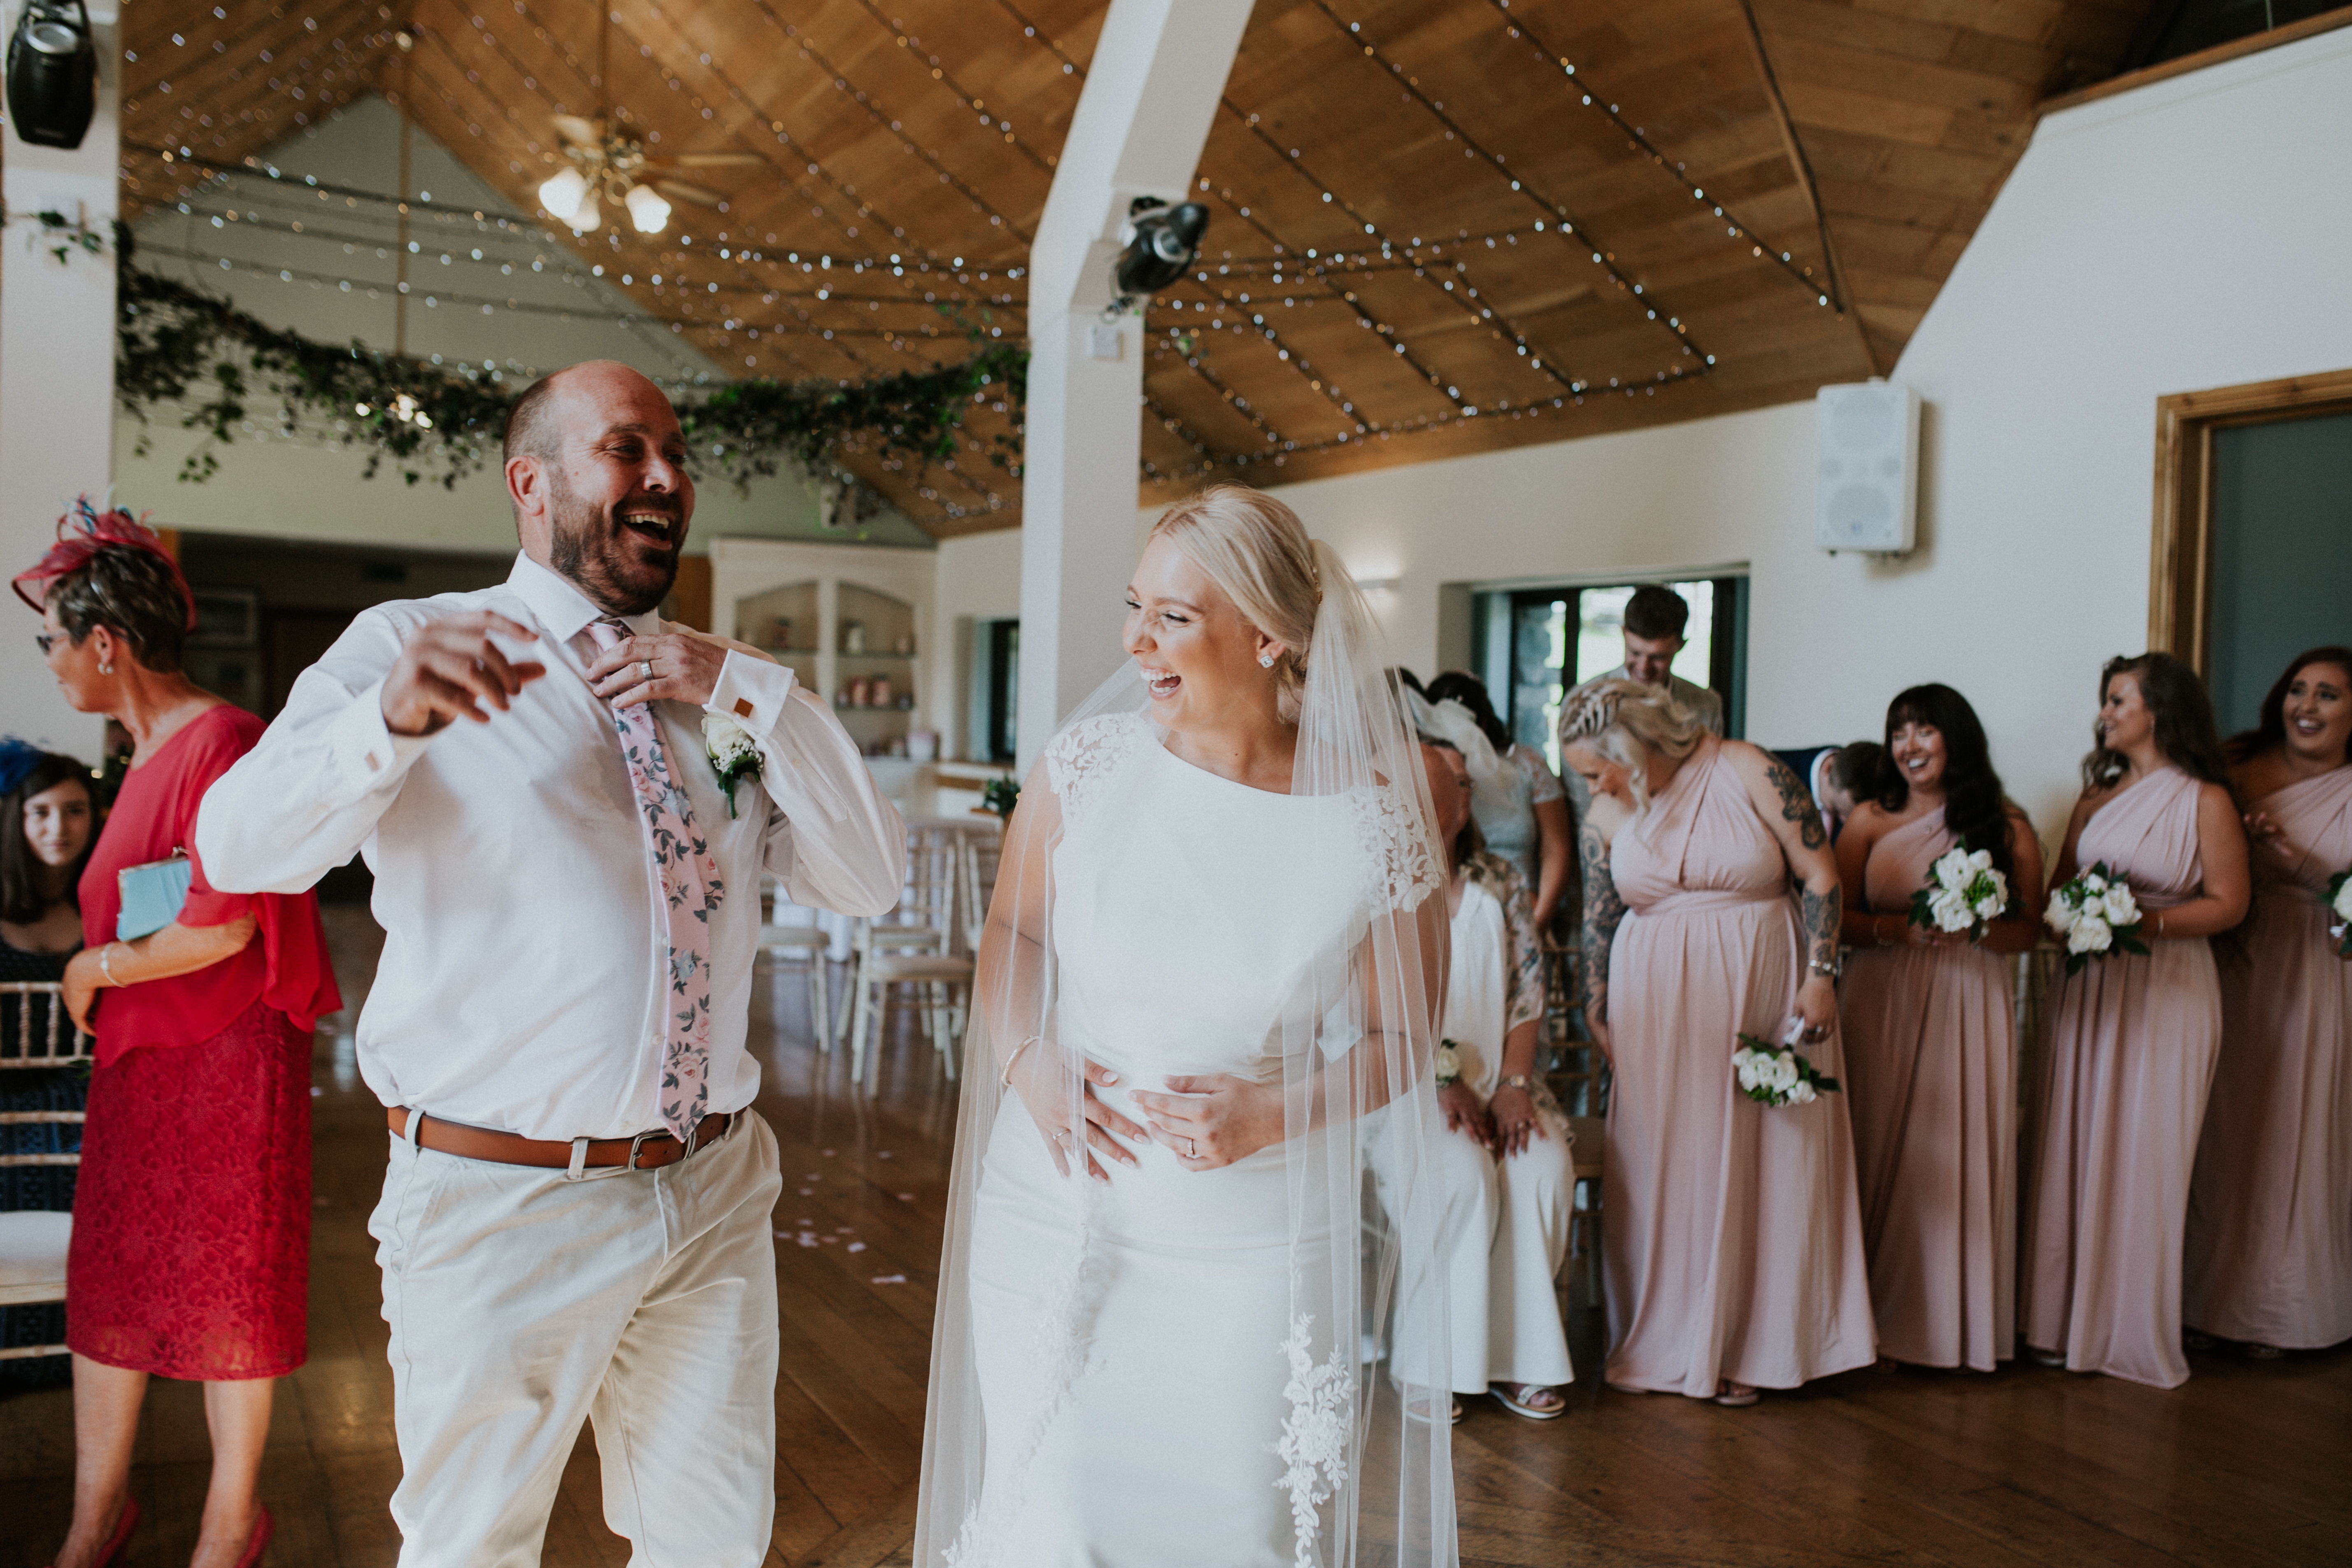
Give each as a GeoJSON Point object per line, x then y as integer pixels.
{"type": "Point", "coordinates": [1082, 755]}
{"type": "Point", "coordinates": [1400, 870]}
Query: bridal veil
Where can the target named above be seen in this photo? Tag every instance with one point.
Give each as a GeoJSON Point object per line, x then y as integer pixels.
{"type": "Point", "coordinates": [1363, 1453]}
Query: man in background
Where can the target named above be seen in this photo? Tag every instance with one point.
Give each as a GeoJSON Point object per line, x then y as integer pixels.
{"type": "Point", "coordinates": [1655, 619]}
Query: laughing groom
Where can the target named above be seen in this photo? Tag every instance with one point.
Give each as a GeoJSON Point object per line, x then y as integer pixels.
{"type": "Point", "coordinates": [575, 1221]}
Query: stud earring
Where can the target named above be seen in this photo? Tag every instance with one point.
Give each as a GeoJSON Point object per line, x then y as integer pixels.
{"type": "Point", "coordinates": [1266, 661]}
{"type": "Point", "coordinates": [105, 667]}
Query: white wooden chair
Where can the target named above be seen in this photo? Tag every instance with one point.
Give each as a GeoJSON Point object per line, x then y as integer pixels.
{"type": "Point", "coordinates": [806, 946]}
{"type": "Point", "coordinates": [33, 1243]}
{"type": "Point", "coordinates": [982, 850]}
{"type": "Point", "coordinates": [943, 983]}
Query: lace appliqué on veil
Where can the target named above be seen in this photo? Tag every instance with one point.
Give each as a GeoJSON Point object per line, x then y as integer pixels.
{"type": "Point", "coordinates": [1084, 754]}
{"type": "Point", "coordinates": [1314, 1445]}
{"type": "Point", "coordinates": [1060, 1350]}
{"type": "Point", "coordinates": [1403, 871]}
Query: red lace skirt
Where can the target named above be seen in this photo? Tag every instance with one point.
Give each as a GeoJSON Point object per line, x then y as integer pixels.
{"type": "Point", "coordinates": [192, 1219]}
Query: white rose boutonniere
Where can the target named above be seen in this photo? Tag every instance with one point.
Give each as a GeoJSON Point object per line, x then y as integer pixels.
{"type": "Point", "coordinates": [732, 754]}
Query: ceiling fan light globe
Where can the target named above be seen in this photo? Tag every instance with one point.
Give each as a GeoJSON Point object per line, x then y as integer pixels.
{"type": "Point", "coordinates": [589, 217]}
{"type": "Point", "coordinates": [561, 193]}
{"type": "Point", "coordinates": [648, 213]}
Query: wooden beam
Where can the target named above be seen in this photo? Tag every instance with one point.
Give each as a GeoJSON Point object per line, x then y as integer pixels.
{"type": "Point", "coordinates": [2236, 49]}
{"type": "Point", "coordinates": [1847, 305]}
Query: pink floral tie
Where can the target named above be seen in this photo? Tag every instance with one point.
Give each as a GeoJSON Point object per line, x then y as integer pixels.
{"type": "Point", "coordinates": [691, 891]}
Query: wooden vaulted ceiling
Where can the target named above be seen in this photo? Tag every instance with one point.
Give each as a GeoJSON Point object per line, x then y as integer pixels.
{"type": "Point", "coordinates": [1438, 226]}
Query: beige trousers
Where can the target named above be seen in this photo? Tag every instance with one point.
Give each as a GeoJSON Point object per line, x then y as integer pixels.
{"type": "Point", "coordinates": [521, 1302]}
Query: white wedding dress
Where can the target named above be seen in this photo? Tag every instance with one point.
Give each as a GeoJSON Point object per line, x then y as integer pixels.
{"type": "Point", "coordinates": [1156, 1386]}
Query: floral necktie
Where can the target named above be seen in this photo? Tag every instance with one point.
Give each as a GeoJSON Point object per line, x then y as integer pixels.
{"type": "Point", "coordinates": [691, 892]}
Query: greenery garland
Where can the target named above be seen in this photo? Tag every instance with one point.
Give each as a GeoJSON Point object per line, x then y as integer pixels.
{"type": "Point", "coordinates": [178, 346]}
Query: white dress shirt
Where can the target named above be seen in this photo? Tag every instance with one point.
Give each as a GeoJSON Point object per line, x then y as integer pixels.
{"type": "Point", "coordinates": [524, 971]}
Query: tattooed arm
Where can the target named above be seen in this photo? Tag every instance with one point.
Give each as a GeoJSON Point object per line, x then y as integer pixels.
{"type": "Point", "coordinates": [1787, 806]}
{"type": "Point", "coordinates": [1603, 911]}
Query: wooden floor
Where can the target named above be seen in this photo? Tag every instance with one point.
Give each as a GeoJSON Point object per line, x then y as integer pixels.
{"type": "Point", "coordinates": [2249, 1463]}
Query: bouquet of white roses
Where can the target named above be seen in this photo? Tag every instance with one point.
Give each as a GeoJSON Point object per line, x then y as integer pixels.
{"type": "Point", "coordinates": [1449, 1062]}
{"type": "Point", "coordinates": [1963, 893]}
{"type": "Point", "coordinates": [2095, 915]}
{"type": "Point", "coordinates": [732, 753]}
{"type": "Point", "coordinates": [2340, 905]}
{"type": "Point", "coordinates": [1777, 1075]}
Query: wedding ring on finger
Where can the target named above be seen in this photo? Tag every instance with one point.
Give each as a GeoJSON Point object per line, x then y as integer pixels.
{"type": "Point", "coordinates": [1192, 1149]}
{"type": "Point", "coordinates": [644, 669]}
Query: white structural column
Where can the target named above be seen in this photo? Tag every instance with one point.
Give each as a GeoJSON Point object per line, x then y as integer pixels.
{"type": "Point", "coordinates": [57, 377]}
{"type": "Point", "coordinates": [1151, 91]}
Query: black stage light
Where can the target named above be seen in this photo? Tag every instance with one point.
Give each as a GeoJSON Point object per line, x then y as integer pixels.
{"type": "Point", "coordinates": [1166, 241]}
{"type": "Point", "coordinates": [52, 74]}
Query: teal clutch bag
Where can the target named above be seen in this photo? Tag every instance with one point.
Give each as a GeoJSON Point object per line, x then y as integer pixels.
{"type": "Point", "coordinates": [151, 896]}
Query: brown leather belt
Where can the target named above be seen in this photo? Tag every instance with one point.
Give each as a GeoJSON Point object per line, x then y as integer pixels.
{"type": "Point", "coordinates": [645, 1151]}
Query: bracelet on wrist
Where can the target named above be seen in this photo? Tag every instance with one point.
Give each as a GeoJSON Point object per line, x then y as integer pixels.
{"type": "Point", "coordinates": [105, 956]}
{"type": "Point", "coordinates": [1005, 1080]}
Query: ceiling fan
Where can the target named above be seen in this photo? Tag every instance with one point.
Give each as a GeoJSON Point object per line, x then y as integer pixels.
{"type": "Point", "coordinates": [606, 164]}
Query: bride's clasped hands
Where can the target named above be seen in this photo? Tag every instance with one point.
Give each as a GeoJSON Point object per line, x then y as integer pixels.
{"type": "Point", "coordinates": [1206, 1120]}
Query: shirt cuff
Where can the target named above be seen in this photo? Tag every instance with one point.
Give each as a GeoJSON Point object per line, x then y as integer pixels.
{"type": "Point", "coordinates": [753, 692]}
{"type": "Point", "coordinates": [369, 756]}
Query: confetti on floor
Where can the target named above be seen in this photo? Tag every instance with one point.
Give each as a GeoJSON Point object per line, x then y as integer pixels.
{"type": "Point", "coordinates": [857, 1247]}
{"type": "Point", "coordinates": [889, 1280]}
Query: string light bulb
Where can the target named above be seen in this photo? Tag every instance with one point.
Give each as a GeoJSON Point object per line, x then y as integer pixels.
{"type": "Point", "coordinates": [648, 213]}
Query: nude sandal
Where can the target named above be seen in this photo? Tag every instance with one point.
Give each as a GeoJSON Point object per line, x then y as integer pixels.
{"type": "Point", "coordinates": [1518, 1407]}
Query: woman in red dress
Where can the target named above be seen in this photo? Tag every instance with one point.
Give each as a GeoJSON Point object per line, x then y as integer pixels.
{"type": "Point", "coordinates": [191, 1220]}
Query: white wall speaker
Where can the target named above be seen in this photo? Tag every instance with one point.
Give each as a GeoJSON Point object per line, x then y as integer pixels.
{"type": "Point", "coordinates": [1869, 495]}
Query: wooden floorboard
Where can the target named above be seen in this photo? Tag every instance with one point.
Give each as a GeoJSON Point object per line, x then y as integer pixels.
{"type": "Point", "coordinates": [2024, 1468]}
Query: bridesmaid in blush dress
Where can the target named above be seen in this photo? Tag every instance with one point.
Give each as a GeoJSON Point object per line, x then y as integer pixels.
{"type": "Point", "coordinates": [1734, 1244]}
{"type": "Point", "coordinates": [1931, 1042]}
{"type": "Point", "coordinates": [2133, 1039]}
{"type": "Point", "coordinates": [2270, 1207]}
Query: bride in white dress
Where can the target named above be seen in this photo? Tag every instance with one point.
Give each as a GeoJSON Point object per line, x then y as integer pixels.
{"type": "Point", "coordinates": [1212, 971]}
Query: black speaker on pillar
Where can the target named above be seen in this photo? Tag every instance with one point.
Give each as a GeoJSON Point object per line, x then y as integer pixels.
{"type": "Point", "coordinates": [52, 74]}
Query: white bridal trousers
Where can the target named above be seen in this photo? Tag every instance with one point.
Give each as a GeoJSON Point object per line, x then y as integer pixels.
{"type": "Point", "coordinates": [1502, 1229]}
{"type": "Point", "coordinates": [643, 1301]}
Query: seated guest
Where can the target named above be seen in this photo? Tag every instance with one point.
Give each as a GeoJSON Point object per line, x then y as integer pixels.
{"type": "Point", "coordinates": [1734, 1243]}
{"type": "Point", "coordinates": [191, 1214]}
{"type": "Point", "coordinates": [1503, 1171]}
{"type": "Point", "coordinates": [2133, 1038]}
{"type": "Point", "coordinates": [1521, 807]}
{"type": "Point", "coordinates": [2270, 1207]}
{"type": "Point", "coordinates": [1838, 777]}
{"type": "Point", "coordinates": [1931, 1042]}
{"type": "Point", "coordinates": [45, 825]}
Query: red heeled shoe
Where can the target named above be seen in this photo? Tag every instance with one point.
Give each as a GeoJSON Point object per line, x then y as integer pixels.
{"type": "Point", "coordinates": [121, 1538]}
{"type": "Point", "coordinates": [262, 1530]}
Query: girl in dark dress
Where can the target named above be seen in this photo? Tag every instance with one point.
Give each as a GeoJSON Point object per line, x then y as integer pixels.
{"type": "Point", "coordinates": [46, 825]}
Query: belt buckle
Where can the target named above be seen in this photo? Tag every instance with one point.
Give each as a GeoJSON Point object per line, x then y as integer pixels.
{"type": "Point", "coordinates": [634, 1144]}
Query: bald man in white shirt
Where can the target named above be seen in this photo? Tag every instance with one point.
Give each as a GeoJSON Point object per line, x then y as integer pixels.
{"type": "Point", "coordinates": [576, 1217]}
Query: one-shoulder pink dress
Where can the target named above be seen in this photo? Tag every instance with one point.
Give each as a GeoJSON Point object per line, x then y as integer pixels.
{"type": "Point", "coordinates": [1734, 1242]}
{"type": "Point", "coordinates": [2121, 1094]}
{"type": "Point", "coordinates": [1931, 1054]}
{"type": "Point", "coordinates": [2270, 1208]}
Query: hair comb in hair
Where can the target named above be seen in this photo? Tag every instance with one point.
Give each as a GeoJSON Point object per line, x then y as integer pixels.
{"type": "Point", "coordinates": [1589, 712]}
{"type": "Point", "coordinates": [82, 534]}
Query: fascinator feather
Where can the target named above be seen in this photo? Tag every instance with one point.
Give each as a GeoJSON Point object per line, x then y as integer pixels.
{"type": "Point", "coordinates": [82, 534]}
{"type": "Point", "coordinates": [17, 758]}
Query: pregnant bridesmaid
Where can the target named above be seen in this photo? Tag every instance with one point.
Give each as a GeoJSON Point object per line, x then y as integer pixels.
{"type": "Point", "coordinates": [2270, 1211]}
{"type": "Point", "coordinates": [2133, 1038]}
{"type": "Point", "coordinates": [1931, 1042]}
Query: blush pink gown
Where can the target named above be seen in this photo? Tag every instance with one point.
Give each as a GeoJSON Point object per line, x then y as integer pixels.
{"type": "Point", "coordinates": [2270, 1209]}
{"type": "Point", "coordinates": [2121, 1095]}
{"type": "Point", "coordinates": [1931, 1048]}
{"type": "Point", "coordinates": [1734, 1239]}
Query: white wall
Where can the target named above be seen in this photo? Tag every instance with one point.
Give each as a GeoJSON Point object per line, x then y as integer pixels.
{"type": "Point", "coordinates": [980, 579]}
{"type": "Point", "coordinates": [2192, 233]}
{"type": "Point", "coordinates": [301, 489]}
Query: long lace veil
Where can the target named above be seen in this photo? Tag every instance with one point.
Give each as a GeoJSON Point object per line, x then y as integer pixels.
{"type": "Point", "coordinates": [1362, 1368]}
